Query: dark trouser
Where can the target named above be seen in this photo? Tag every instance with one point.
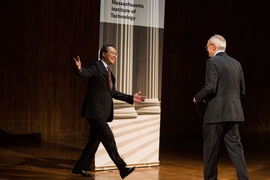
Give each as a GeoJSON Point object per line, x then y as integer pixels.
{"type": "Point", "coordinates": [99, 132]}
{"type": "Point", "coordinates": [212, 135]}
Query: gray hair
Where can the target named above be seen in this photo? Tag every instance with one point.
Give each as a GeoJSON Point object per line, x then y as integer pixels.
{"type": "Point", "coordinates": [219, 41]}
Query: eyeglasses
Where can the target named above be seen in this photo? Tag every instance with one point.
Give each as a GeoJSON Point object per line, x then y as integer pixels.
{"type": "Point", "coordinates": [206, 47]}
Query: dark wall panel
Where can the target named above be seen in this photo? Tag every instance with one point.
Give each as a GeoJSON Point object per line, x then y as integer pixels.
{"type": "Point", "coordinates": [188, 26]}
{"type": "Point", "coordinates": [39, 91]}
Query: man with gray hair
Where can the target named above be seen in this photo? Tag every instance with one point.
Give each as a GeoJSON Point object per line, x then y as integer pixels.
{"type": "Point", "coordinates": [224, 86]}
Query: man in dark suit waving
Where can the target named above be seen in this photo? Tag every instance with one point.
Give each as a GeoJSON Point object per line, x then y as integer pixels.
{"type": "Point", "coordinates": [98, 110]}
{"type": "Point", "coordinates": [224, 86]}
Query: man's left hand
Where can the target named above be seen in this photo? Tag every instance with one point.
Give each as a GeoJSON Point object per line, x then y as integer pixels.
{"type": "Point", "coordinates": [138, 98]}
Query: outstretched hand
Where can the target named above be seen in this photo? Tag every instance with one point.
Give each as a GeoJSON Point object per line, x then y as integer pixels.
{"type": "Point", "coordinates": [78, 63]}
{"type": "Point", "coordinates": [138, 98]}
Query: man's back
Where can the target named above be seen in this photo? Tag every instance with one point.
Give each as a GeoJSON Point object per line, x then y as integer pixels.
{"type": "Point", "coordinates": [228, 87]}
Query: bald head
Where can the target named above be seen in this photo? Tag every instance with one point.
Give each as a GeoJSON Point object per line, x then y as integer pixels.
{"type": "Point", "coordinates": [219, 41]}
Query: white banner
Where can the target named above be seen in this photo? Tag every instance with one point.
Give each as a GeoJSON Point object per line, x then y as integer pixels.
{"type": "Point", "coordinates": [148, 13]}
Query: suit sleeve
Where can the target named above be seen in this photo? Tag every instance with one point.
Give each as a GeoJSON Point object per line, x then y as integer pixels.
{"type": "Point", "coordinates": [210, 82]}
{"type": "Point", "coordinates": [91, 71]}
{"type": "Point", "coordinates": [123, 97]}
{"type": "Point", "coordinates": [242, 84]}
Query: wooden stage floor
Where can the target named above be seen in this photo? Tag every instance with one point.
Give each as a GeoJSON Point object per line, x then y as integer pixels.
{"type": "Point", "coordinates": [51, 160]}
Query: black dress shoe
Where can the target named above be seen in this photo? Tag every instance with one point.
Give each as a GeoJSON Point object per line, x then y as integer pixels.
{"type": "Point", "coordinates": [126, 171]}
{"type": "Point", "coordinates": [81, 172]}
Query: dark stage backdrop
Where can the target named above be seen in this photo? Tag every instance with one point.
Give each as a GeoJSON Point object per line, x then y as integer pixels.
{"type": "Point", "coordinates": [40, 94]}
{"type": "Point", "coordinates": [188, 26]}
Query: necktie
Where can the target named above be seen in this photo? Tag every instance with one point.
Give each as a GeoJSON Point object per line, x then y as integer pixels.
{"type": "Point", "coordinates": [110, 78]}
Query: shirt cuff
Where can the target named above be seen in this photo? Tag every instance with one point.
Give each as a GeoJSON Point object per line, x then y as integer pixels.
{"type": "Point", "coordinates": [78, 71]}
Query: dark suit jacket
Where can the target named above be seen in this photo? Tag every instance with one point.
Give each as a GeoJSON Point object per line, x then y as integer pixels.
{"type": "Point", "coordinates": [224, 86]}
{"type": "Point", "coordinates": [98, 102]}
